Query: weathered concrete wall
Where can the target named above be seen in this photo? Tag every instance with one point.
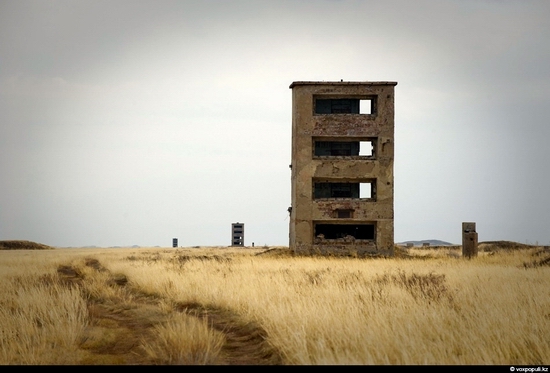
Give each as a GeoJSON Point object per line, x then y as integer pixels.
{"type": "Point", "coordinates": [308, 126]}
{"type": "Point", "coordinates": [469, 240]}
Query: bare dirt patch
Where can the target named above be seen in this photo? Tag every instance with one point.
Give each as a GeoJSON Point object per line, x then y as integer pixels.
{"type": "Point", "coordinates": [119, 326]}
{"type": "Point", "coordinates": [245, 341]}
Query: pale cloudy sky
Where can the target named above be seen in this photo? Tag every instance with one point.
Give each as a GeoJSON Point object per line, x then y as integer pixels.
{"type": "Point", "coordinates": [135, 122]}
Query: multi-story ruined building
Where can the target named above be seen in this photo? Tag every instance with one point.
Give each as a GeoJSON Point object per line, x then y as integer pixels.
{"type": "Point", "coordinates": [237, 234]}
{"type": "Point", "coordinates": [342, 167]}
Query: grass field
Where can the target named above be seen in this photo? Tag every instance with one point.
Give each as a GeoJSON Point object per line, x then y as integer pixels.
{"type": "Point", "coordinates": [237, 306]}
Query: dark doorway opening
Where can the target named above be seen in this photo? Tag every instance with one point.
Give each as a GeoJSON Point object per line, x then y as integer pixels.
{"type": "Point", "coordinates": [335, 231]}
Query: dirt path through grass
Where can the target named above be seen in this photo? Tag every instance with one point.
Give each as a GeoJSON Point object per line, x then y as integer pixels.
{"type": "Point", "coordinates": [119, 325]}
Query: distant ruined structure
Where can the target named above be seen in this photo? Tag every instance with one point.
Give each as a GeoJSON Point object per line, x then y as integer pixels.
{"type": "Point", "coordinates": [469, 239]}
{"type": "Point", "coordinates": [237, 234]}
{"type": "Point", "coordinates": [342, 168]}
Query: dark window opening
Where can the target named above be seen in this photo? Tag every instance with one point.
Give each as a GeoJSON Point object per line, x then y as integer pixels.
{"type": "Point", "coordinates": [335, 148]}
{"type": "Point", "coordinates": [344, 214]}
{"type": "Point", "coordinates": [344, 148]}
{"type": "Point", "coordinates": [344, 106]}
{"type": "Point", "coordinates": [336, 231]}
{"type": "Point", "coordinates": [336, 190]}
{"type": "Point", "coordinates": [343, 190]}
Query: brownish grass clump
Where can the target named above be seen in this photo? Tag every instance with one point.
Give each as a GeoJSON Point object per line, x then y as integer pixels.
{"type": "Point", "coordinates": [430, 287]}
{"type": "Point", "coordinates": [277, 253]}
{"type": "Point", "coordinates": [540, 258]}
{"type": "Point", "coordinates": [503, 245]}
{"type": "Point", "coordinates": [23, 245]}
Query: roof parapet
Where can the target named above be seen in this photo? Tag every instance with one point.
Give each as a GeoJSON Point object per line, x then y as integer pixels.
{"type": "Point", "coordinates": [341, 83]}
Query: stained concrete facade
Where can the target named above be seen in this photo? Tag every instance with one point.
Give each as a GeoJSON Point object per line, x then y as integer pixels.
{"type": "Point", "coordinates": [342, 168]}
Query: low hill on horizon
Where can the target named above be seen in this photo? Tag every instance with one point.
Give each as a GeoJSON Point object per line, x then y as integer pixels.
{"type": "Point", "coordinates": [23, 245]}
{"type": "Point", "coordinates": [432, 242]}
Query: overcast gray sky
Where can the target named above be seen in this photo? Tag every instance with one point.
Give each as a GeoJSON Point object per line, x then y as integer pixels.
{"type": "Point", "coordinates": [134, 122]}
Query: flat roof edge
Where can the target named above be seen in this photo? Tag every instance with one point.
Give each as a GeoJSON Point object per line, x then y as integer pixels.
{"type": "Point", "coordinates": [340, 83]}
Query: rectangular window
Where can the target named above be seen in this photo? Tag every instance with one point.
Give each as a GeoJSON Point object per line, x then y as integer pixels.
{"type": "Point", "coordinates": [336, 190]}
{"type": "Point", "coordinates": [344, 214]}
{"type": "Point", "coordinates": [336, 148]}
{"type": "Point", "coordinates": [338, 231]}
{"type": "Point", "coordinates": [364, 148]}
{"type": "Point", "coordinates": [365, 105]}
{"type": "Point", "coordinates": [351, 190]}
{"type": "Point", "coordinates": [337, 106]}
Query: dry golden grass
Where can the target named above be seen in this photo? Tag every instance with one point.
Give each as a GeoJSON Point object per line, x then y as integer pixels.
{"type": "Point", "coordinates": [176, 342]}
{"type": "Point", "coordinates": [40, 320]}
{"type": "Point", "coordinates": [251, 306]}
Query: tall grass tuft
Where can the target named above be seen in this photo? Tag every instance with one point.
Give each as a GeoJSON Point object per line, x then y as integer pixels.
{"type": "Point", "coordinates": [39, 323]}
{"type": "Point", "coordinates": [185, 340]}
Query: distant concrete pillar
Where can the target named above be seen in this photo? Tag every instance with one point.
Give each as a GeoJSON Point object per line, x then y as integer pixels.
{"type": "Point", "coordinates": [469, 240]}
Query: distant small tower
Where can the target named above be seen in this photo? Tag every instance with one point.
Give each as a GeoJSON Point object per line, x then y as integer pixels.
{"type": "Point", "coordinates": [469, 239]}
{"type": "Point", "coordinates": [237, 234]}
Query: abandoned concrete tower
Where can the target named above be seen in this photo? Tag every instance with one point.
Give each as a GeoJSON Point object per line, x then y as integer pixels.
{"type": "Point", "coordinates": [237, 234]}
{"type": "Point", "coordinates": [342, 168]}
